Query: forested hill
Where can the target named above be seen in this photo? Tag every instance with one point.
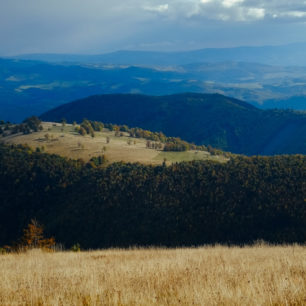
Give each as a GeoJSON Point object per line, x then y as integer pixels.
{"type": "Point", "coordinates": [193, 203]}
{"type": "Point", "coordinates": [222, 122]}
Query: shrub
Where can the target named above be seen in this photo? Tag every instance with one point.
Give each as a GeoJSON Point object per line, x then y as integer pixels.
{"type": "Point", "coordinates": [2, 251]}
{"type": "Point", "coordinates": [76, 248]}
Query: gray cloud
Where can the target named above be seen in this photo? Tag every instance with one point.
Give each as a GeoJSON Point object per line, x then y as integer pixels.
{"type": "Point", "coordinates": [237, 10]}
{"type": "Point", "coordinates": [94, 26]}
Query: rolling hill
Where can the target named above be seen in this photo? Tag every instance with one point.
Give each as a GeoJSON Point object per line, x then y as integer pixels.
{"type": "Point", "coordinates": [225, 123]}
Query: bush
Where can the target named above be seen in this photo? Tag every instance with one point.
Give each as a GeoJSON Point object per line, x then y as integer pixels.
{"type": "Point", "coordinates": [2, 251]}
{"type": "Point", "coordinates": [76, 248]}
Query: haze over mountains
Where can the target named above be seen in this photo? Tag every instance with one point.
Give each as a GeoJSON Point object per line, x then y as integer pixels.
{"type": "Point", "coordinates": [225, 123]}
{"type": "Point", "coordinates": [32, 84]}
{"type": "Point", "coordinates": [284, 55]}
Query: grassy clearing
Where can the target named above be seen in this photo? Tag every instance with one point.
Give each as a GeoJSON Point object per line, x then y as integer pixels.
{"type": "Point", "coordinates": [188, 156]}
{"type": "Point", "coordinates": [63, 140]}
{"type": "Point", "coordinates": [259, 275]}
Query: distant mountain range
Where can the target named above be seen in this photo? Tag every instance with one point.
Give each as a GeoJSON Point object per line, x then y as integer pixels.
{"type": "Point", "coordinates": [30, 87]}
{"type": "Point", "coordinates": [223, 122]}
{"type": "Point", "coordinates": [284, 55]}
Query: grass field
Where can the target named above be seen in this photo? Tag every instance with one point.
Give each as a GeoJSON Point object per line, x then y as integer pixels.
{"type": "Point", "coordinates": [258, 275]}
{"type": "Point", "coordinates": [66, 142]}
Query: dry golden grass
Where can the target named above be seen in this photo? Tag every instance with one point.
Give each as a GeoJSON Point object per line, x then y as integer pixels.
{"type": "Point", "coordinates": [259, 275]}
{"type": "Point", "coordinates": [70, 144]}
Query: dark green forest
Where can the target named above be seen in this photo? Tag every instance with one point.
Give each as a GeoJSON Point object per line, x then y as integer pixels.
{"type": "Point", "coordinates": [205, 119]}
{"type": "Point", "coordinates": [194, 203]}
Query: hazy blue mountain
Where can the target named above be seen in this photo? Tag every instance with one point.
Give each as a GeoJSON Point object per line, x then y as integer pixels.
{"type": "Point", "coordinates": [294, 102]}
{"type": "Point", "coordinates": [291, 54]}
{"type": "Point", "coordinates": [223, 122]}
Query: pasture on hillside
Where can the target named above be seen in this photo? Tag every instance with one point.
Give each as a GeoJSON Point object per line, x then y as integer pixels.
{"type": "Point", "coordinates": [65, 141]}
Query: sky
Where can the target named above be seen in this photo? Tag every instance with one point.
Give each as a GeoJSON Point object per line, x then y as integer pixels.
{"type": "Point", "coordinates": [99, 26]}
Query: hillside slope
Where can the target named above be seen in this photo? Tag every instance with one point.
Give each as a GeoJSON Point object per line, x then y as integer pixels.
{"type": "Point", "coordinates": [216, 120]}
{"type": "Point", "coordinates": [123, 205]}
{"type": "Point", "coordinates": [65, 141]}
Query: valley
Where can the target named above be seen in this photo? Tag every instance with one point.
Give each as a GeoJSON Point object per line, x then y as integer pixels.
{"type": "Point", "coordinates": [31, 87]}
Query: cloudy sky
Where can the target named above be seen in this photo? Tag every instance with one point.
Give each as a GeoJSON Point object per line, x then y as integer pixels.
{"type": "Point", "coordinates": [98, 26]}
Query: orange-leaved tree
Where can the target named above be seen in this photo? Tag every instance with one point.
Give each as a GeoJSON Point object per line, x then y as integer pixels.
{"type": "Point", "coordinates": [33, 237]}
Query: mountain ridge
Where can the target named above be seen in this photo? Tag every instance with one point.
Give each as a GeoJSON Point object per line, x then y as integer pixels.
{"type": "Point", "coordinates": [290, 54]}
{"type": "Point", "coordinates": [225, 123]}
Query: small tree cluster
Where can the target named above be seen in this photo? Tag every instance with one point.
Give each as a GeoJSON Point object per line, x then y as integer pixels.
{"type": "Point", "coordinates": [154, 145]}
{"type": "Point", "coordinates": [97, 126]}
{"type": "Point", "coordinates": [177, 145]}
{"type": "Point", "coordinates": [140, 133]}
{"type": "Point", "coordinates": [29, 125]}
{"type": "Point", "coordinates": [89, 127]}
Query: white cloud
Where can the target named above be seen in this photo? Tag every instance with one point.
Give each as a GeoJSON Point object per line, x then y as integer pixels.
{"type": "Point", "coordinates": [230, 3]}
{"type": "Point", "coordinates": [296, 14]}
{"type": "Point", "coordinates": [159, 8]}
{"type": "Point", "coordinates": [256, 13]}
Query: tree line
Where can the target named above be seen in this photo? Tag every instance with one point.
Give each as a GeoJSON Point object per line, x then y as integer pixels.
{"type": "Point", "coordinates": [122, 204]}
{"type": "Point", "coordinates": [155, 139]}
{"type": "Point", "coordinates": [29, 125]}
